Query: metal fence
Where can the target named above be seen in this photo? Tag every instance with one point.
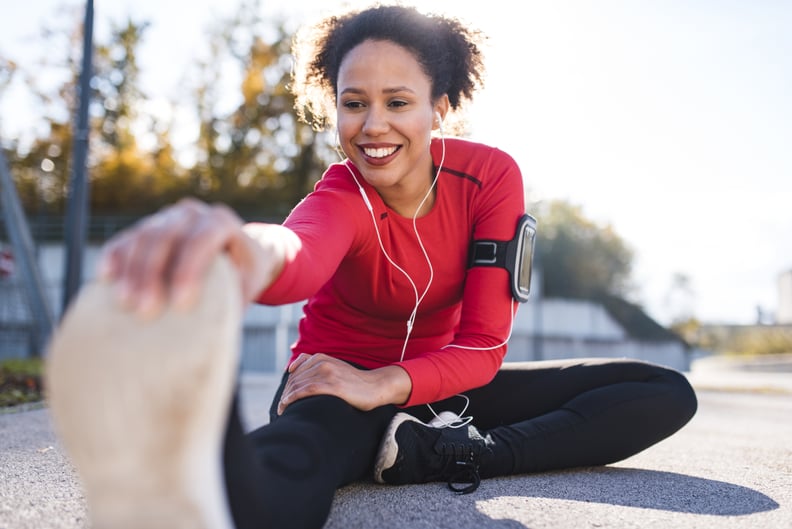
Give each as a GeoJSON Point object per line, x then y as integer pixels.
{"type": "Point", "coordinates": [51, 227]}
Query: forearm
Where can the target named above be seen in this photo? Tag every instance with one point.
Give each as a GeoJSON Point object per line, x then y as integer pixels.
{"type": "Point", "coordinates": [277, 244]}
{"type": "Point", "coordinates": [447, 372]}
{"type": "Point", "coordinates": [394, 383]}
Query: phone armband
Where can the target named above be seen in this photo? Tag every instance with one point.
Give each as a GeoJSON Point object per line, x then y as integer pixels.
{"type": "Point", "coordinates": [515, 255]}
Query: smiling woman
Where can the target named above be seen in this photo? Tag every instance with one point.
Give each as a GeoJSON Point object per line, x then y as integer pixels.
{"type": "Point", "coordinates": [385, 118]}
{"type": "Point", "coordinates": [602, 100]}
{"type": "Point", "coordinates": [400, 324]}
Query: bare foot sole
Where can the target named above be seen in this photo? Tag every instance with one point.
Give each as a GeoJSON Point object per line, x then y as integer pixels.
{"type": "Point", "coordinates": [141, 405]}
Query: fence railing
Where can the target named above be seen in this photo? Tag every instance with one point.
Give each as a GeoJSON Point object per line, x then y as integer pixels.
{"type": "Point", "coordinates": [51, 227]}
{"type": "Point", "coordinates": [48, 228]}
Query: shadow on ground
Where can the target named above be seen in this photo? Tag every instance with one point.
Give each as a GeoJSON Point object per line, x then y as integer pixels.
{"type": "Point", "coordinates": [652, 489]}
{"type": "Point", "coordinates": [610, 486]}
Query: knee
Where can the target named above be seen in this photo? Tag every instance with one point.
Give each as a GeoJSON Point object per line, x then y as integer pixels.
{"type": "Point", "coordinates": [682, 399]}
{"type": "Point", "coordinates": [293, 449]}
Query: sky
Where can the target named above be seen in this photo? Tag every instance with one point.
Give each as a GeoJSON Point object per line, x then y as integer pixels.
{"type": "Point", "coordinates": [670, 121]}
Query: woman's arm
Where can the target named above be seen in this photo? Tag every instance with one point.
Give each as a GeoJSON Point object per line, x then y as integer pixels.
{"type": "Point", "coordinates": [327, 224]}
{"type": "Point", "coordinates": [320, 374]}
{"type": "Point", "coordinates": [162, 258]}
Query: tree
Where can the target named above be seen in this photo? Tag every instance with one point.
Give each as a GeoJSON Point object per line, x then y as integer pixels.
{"type": "Point", "coordinates": [255, 157]}
{"type": "Point", "coordinates": [42, 167]}
{"type": "Point", "coordinates": [258, 157]}
{"type": "Point", "coordinates": [7, 70]}
{"type": "Point", "coordinates": [680, 299]}
{"type": "Point", "coordinates": [39, 164]}
{"type": "Point", "coordinates": [578, 258]}
{"type": "Point", "coordinates": [126, 177]}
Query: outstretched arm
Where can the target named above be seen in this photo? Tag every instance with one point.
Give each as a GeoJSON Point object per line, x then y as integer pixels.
{"type": "Point", "coordinates": [162, 258]}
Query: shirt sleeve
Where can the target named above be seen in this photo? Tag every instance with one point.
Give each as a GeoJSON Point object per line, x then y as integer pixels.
{"type": "Point", "coordinates": [327, 223]}
{"type": "Point", "coordinates": [480, 342]}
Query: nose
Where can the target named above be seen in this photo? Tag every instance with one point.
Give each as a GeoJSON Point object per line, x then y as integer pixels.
{"type": "Point", "coordinates": [376, 122]}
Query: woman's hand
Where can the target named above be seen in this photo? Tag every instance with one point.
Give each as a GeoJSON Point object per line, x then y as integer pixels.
{"type": "Point", "coordinates": [162, 258]}
{"type": "Point", "coordinates": [320, 374]}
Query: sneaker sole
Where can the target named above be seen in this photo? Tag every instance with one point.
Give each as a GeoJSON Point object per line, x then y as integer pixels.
{"type": "Point", "coordinates": [140, 407]}
{"type": "Point", "coordinates": [389, 448]}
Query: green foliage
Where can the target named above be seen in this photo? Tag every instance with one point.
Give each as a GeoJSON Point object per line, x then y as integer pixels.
{"type": "Point", "coordinates": [7, 71]}
{"type": "Point", "coordinates": [259, 156]}
{"type": "Point", "coordinates": [578, 258]}
{"type": "Point", "coordinates": [250, 151]}
{"type": "Point", "coordinates": [748, 340]}
{"type": "Point", "coordinates": [40, 165]}
{"type": "Point", "coordinates": [762, 341]}
{"type": "Point", "coordinates": [125, 178]}
{"type": "Point", "coordinates": [690, 331]}
{"type": "Point", "coordinates": [255, 157]}
{"type": "Point", "coordinates": [20, 381]}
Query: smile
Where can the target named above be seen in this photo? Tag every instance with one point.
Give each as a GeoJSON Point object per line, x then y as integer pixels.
{"type": "Point", "coordinates": [380, 152]}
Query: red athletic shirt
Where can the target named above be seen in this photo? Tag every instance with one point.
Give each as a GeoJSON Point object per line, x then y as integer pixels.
{"type": "Point", "coordinates": [359, 303]}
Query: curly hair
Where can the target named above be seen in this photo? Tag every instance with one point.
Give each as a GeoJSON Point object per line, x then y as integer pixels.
{"type": "Point", "coordinates": [449, 53]}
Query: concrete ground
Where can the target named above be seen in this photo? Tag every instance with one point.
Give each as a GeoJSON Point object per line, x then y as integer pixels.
{"type": "Point", "coordinates": [730, 467]}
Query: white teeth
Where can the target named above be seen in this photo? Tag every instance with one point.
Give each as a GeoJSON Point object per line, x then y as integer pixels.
{"type": "Point", "coordinates": [382, 152]}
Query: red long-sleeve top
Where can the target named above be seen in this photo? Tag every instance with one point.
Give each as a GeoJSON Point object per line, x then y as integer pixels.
{"type": "Point", "coordinates": [358, 303]}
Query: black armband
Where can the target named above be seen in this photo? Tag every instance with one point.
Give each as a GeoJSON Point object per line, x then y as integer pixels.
{"type": "Point", "coordinates": [515, 255]}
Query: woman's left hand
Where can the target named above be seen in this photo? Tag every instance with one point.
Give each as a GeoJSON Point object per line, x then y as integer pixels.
{"type": "Point", "coordinates": [320, 374]}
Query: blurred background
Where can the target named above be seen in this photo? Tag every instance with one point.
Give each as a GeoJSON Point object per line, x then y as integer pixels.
{"type": "Point", "coordinates": [654, 140]}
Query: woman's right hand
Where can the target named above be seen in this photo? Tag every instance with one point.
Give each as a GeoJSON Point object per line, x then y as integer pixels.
{"type": "Point", "coordinates": [162, 258]}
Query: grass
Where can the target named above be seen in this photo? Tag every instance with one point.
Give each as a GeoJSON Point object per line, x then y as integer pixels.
{"type": "Point", "coordinates": [21, 381]}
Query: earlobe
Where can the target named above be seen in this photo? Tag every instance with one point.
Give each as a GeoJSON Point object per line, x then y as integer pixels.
{"type": "Point", "coordinates": [439, 120]}
{"type": "Point", "coordinates": [441, 109]}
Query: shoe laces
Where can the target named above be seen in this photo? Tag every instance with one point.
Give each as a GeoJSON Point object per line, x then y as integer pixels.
{"type": "Point", "coordinates": [462, 466]}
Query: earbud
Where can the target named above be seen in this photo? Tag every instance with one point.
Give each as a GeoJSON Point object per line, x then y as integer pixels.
{"type": "Point", "coordinates": [439, 121]}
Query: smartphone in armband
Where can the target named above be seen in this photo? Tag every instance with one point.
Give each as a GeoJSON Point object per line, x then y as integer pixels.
{"type": "Point", "coordinates": [515, 255]}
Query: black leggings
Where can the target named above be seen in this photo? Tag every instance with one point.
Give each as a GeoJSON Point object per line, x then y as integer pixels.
{"type": "Point", "coordinates": [542, 416]}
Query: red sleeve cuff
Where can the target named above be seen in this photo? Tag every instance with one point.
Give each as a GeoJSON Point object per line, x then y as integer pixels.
{"type": "Point", "coordinates": [426, 381]}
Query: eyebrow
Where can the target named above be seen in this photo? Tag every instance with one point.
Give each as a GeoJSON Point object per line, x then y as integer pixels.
{"type": "Point", "coordinates": [394, 90]}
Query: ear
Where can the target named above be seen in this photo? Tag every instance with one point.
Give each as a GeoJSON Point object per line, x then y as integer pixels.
{"type": "Point", "coordinates": [441, 108]}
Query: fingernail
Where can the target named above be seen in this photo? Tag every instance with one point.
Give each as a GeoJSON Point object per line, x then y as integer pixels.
{"type": "Point", "coordinates": [124, 294]}
{"type": "Point", "coordinates": [104, 270]}
{"type": "Point", "coordinates": [148, 305]}
{"type": "Point", "coordinates": [182, 298]}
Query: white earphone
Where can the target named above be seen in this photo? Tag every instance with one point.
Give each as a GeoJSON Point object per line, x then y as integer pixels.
{"type": "Point", "coordinates": [439, 121]}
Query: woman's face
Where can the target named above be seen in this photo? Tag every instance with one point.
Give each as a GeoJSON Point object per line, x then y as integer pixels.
{"type": "Point", "coordinates": [385, 119]}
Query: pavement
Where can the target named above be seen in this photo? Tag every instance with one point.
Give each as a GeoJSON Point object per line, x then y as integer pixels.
{"type": "Point", "coordinates": [730, 467]}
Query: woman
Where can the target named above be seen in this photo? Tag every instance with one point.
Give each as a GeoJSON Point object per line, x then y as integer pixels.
{"type": "Point", "coordinates": [397, 369]}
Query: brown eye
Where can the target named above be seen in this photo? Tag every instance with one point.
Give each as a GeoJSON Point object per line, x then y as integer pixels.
{"type": "Point", "coordinates": [353, 104]}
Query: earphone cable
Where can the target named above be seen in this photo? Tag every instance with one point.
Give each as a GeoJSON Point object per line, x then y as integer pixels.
{"type": "Point", "coordinates": [461, 421]}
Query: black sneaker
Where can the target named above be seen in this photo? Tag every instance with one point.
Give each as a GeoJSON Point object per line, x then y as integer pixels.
{"type": "Point", "coordinates": [446, 449]}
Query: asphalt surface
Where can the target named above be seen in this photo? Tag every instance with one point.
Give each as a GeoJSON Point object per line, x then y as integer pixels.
{"type": "Point", "coordinates": [730, 467]}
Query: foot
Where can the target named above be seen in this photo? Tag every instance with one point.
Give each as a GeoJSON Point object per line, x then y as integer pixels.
{"type": "Point", "coordinates": [446, 449]}
{"type": "Point", "coordinates": [141, 406]}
